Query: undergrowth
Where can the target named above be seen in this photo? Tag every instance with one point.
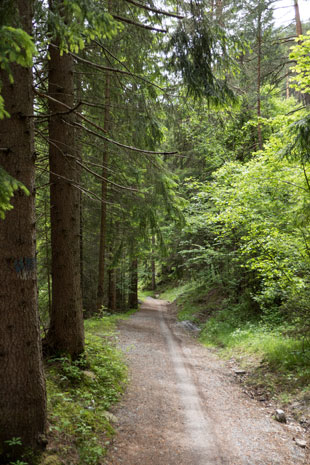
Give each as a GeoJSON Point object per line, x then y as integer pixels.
{"type": "Point", "coordinates": [273, 355]}
{"type": "Point", "coordinates": [80, 395]}
{"type": "Point", "coordinates": [172, 293]}
{"type": "Point", "coordinates": [265, 345]}
{"type": "Point", "coordinates": [144, 293]}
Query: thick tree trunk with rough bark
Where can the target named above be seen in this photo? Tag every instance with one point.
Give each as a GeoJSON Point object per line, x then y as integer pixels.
{"type": "Point", "coordinates": [66, 332]}
{"type": "Point", "coordinates": [22, 384]}
{"type": "Point", "coordinates": [81, 244]}
{"type": "Point", "coordinates": [104, 190]}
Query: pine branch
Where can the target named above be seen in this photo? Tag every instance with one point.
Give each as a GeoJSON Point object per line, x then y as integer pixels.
{"type": "Point", "coordinates": [79, 187]}
{"type": "Point", "coordinates": [103, 178]}
{"type": "Point", "coordinates": [134, 23]}
{"type": "Point", "coordinates": [128, 147]}
{"type": "Point", "coordinates": [154, 10]}
{"type": "Point", "coordinates": [119, 144]}
{"type": "Point", "coordinates": [114, 70]}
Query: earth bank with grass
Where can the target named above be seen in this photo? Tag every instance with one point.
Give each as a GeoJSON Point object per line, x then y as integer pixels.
{"type": "Point", "coordinates": [275, 361]}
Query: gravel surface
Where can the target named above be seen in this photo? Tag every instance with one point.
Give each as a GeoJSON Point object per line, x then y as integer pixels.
{"type": "Point", "coordinates": [184, 407]}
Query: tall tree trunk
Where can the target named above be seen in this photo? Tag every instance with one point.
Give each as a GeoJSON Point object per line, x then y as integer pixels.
{"type": "Point", "coordinates": [297, 19]}
{"type": "Point", "coordinates": [119, 288]}
{"type": "Point", "coordinates": [66, 333]}
{"type": "Point", "coordinates": [112, 290]}
{"type": "Point", "coordinates": [133, 284]}
{"type": "Point", "coordinates": [219, 12]}
{"type": "Point", "coordinates": [122, 302]}
{"type": "Point", "coordinates": [79, 152]}
{"type": "Point", "coordinates": [22, 385]}
{"type": "Point", "coordinates": [259, 57]}
{"type": "Point", "coordinates": [104, 189]}
{"type": "Point", "coordinates": [153, 266]}
{"type": "Point", "coordinates": [81, 244]}
{"type": "Point", "coordinates": [47, 257]}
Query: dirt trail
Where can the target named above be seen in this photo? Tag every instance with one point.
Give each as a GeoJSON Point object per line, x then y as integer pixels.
{"type": "Point", "coordinates": [183, 406]}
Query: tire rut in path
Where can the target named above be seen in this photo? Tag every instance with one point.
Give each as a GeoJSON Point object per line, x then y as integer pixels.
{"type": "Point", "coordinates": [182, 406]}
{"type": "Point", "coordinates": [199, 429]}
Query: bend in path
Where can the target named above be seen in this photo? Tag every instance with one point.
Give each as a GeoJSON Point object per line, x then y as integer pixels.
{"type": "Point", "coordinates": [183, 407]}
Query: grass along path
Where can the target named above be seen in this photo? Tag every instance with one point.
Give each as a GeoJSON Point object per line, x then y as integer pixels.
{"type": "Point", "coordinates": [183, 405]}
{"type": "Point", "coordinates": [80, 395]}
{"type": "Point", "coordinates": [276, 362]}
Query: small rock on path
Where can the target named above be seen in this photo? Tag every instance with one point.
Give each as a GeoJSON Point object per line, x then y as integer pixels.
{"type": "Point", "coordinates": [184, 407]}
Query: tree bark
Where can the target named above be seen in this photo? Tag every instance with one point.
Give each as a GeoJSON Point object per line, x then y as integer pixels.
{"type": "Point", "coordinates": [153, 266]}
{"type": "Point", "coordinates": [124, 293]}
{"type": "Point", "coordinates": [81, 245]}
{"type": "Point", "coordinates": [22, 385]}
{"type": "Point", "coordinates": [66, 332]}
{"type": "Point", "coordinates": [259, 57]}
{"type": "Point", "coordinates": [119, 288]}
{"type": "Point", "coordinates": [112, 291]}
{"type": "Point", "coordinates": [133, 285]}
{"type": "Point", "coordinates": [104, 189]}
{"type": "Point", "coordinates": [219, 12]}
{"type": "Point", "coordinates": [297, 19]}
{"type": "Point", "coordinates": [47, 257]}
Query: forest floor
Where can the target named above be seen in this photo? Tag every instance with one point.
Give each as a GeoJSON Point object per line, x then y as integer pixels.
{"type": "Point", "coordinates": [183, 405]}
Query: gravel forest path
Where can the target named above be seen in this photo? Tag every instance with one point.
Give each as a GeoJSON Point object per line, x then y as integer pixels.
{"type": "Point", "coordinates": [184, 407]}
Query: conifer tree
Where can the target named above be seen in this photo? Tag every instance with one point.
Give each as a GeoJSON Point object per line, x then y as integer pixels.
{"type": "Point", "coordinates": [22, 386]}
{"type": "Point", "coordinates": [66, 331]}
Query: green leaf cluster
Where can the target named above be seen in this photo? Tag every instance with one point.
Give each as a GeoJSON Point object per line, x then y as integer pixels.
{"type": "Point", "coordinates": [252, 218]}
{"type": "Point", "coordinates": [8, 186]}
{"type": "Point", "coordinates": [301, 54]}
{"type": "Point", "coordinates": [75, 23]}
{"type": "Point", "coordinates": [16, 46]}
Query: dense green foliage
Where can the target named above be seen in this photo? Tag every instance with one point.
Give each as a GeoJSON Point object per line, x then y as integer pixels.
{"type": "Point", "coordinates": [8, 186]}
{"type": "Point", "coordinates": [300, 53]}
{"type": "Point", "coordinates": [201, 159]}
{"type": "Point", "coordinates": [80, 395]}
{"type": "Point", "coordinates": [241, 262]}
{"type": "Point", "coordinates": [16, 46]}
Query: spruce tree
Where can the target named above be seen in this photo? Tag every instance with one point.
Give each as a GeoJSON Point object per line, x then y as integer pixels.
{"type": "Point", "coordinates": [22, 386]}
{"type": "Point", "coordinates": [66, 331]}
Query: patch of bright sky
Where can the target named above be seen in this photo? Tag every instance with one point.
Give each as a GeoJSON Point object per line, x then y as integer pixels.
{"type": "Point", "coordinates": [284, 12]}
